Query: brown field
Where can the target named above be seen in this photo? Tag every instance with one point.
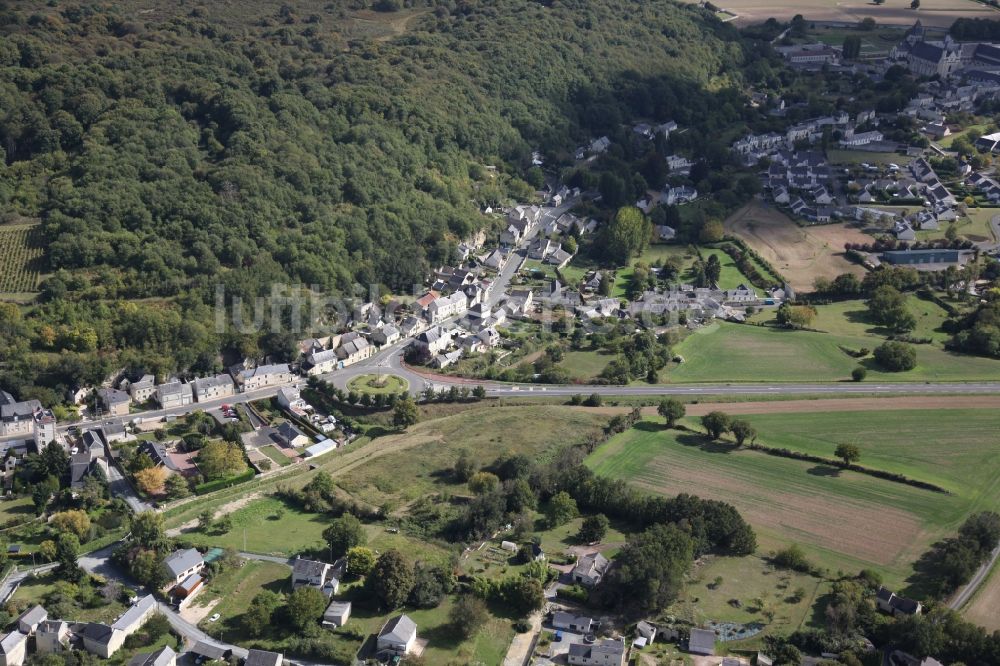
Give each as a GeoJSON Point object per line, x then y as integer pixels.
{"type": "Point", "coordinates": [800, 254]}
{"type": "Point", "coordinates": [939, 13]}
{"type": "Point", "coordinates": [868, 530]}
{"type": "Point", "coordinates": [983, 608]}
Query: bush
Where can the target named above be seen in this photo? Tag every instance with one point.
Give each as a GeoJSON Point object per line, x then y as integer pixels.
{"type": "Point", "coordinates": [792, 558]}
{"type": "Point", "coordinates": [576, 593]}
{"type": "Point", "coordinates": [859, 373]}
{"type": "Point", "coordinates": [896, 356]}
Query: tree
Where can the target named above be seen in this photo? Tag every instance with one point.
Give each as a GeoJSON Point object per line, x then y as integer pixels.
{"type": "Point", "coordinates": [305, 606]}
{"type": "Point", "coordinates": [712, 232]}
{"type": "Point", "coordinates": [715, 423]}
{"type": "Point", "coordinates": [795, 316]}
{"type": "Point", "coordinates": [649, 571]}
{"type": "Point", "coordinates": [482, 483]}
{"type": "Point", "coordinates": [479, 392]}
{"type": "Point", "coordinates": [915, 4]}
{"type": "Point", "coordinates": [627, 235]}
{"type": "Point", "coordinates": [713, 269]}
{"type": "Point", "coordinates": [851, 47]}
{"type": "Point", "coordinates": [176, 487]}
{"type": "Point", "coordinates": [887, 306]}
{"type": "Point", "coordinates": [391, 579]}
{"type": "Point", "coordinates": [672, 410]}
{"type": "Point", "coordinates": [205, 519]}
{"type": "Point", "coordinates": [525, 595]}
{"type": "Point", "coordinates": [405, 413]}
{"type": "Point", "coordinates": [560, 509]}
{"type": "Point", "coordinates": [464, 467]}
{"type": "Point", "coordinates": [360, 561]}
{"type": "Point", "coordinates": [430, 584]}
{"type": "Point", "coordinates": [859, 373]}
{"type": "Point", "coordinates": [896, 356]}
{"type": "Point", "coordinates": [849, 453]}
{"type": "Point", "coordinates": [67, 552]}
{"type": "Point", "coordinates": [147, 529]}
{"type": "Point", "coordinates": [219, 459]}
{"type": "Point", "coordinates": [344, 533]}
{"type": "Point", "coordinates": [468, 615]}
{"type": "Point", "coordinates": [48, 550]}
{"type": "Point", "coordinates": [742, 431]}
{"type": "Point", "coordinates": [151, 480]}
{"type": "Point", "coordinates": [260, 612]}
{"type": "Point", "coordinates": [593, 528]}
{"type": "Point", "coordinates": [146, 566]}
{"type": "Point", "coordinates": [73, 521]}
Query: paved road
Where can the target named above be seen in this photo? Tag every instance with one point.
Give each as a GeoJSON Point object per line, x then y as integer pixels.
{"type": "Point", "coordinates": [119, 486]}
{"type": "Point", "coordinates": [973, 585]}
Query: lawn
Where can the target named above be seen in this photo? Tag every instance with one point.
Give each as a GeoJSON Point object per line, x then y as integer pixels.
{"type": "Point", "coordinates": [725, 352]}
{"type": "Point", "coordinates": [871, 157]}
{"type": "Point", "coordinates": [717, 581]}
{"type": "Point", "coordinates": [277, 456]}
{"type": "Point", "coordinates": [235, 589]}
{"type": "Point", "coordinates": [16, 508]}
{"type": "Point", "coordinates": [946, 142]}
{"type": "Point", "coordinates": [730, 277]}
{"type": "Point", "coordinates": [573, 275]}
{"type": "Point", "coordinates": [267, 526]}
{"type": "Point", "coordinates": [378, 384]}
{"type": "Point", "coordinates": [585, 365]}
{"type": "Point", "coordinates": [844, 520]}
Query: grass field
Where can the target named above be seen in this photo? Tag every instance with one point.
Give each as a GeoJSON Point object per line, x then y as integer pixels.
{"type": "Point", "coordinates": [378, 384]}
{"type": "Point", "coordinates": [20, 255]}
{"type": "Point", "coordinates": [871, 157]}
{"type": "Point", "coordinates": [585, 365]}
{"type": "Point", "coordinates": [873, 43]}
{"type": "Point", "coordinates": [235, 589]}
{"type": "Point", "coordinates": [33, 590]}
{"type": "Point", "coordinates": [946, 142]}
{"type": "Point", "coordinates": [844, 520]}
{"type": "Point", "coordinates": [759, 354]}
{"type": "Point", "coordinates": [730, 277]}
{"type": "Point", "coordinates": [18, 507]}
{"type": "Point", "coordinates": [277, 456]}
{"type": "Point", "coordinates": [850, 318]}
{"type": "Point", "coordinates": [749, 580]}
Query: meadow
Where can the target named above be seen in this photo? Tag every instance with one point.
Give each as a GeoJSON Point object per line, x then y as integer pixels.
{"type": "Point", "coordinates": [844, 520]}
{"type": "Point", "coordinates": [765, 354]}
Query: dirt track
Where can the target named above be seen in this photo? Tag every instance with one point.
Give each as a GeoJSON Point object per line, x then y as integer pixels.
{"type": "Point", "coordinates": [800, 254]}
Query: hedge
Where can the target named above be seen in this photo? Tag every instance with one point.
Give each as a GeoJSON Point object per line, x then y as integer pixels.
{"type": "Point", "coordinates": [211, 486]}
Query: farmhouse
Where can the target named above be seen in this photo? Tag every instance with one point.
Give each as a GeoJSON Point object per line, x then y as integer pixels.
{"type": "Point", "coordinates": [315, 574]}
{"type": "Point", "coordinates": [605, 652]}
{"type": "Point", "coordinates": [114, 402]}
{"type": "Point", "coordinates": [590, 569]}
{"type": "Point", "coordinates": [165, 656]}
{"type": "Point", "coordinates": [890, 603]}
{"type": "Point", "coordinates": [182, 563]}
{"type": "Point", "coordinates": [563, 620]}
{"type": "Point", "coordinates": [263, 658]}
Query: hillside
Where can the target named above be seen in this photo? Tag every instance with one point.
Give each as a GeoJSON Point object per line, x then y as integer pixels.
{"type": "Point", "coordinates": [167, 147]}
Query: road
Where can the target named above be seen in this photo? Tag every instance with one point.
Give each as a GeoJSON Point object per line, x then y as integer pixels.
{"type": "Point", "coordinates": [11, 582]}
{"type": "Point", "coordinates": [973, 585]}
{"type": "Point", "coordinates": [119, 486]}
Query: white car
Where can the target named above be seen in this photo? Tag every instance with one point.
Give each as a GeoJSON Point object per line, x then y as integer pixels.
{"type": "Point", "coordinates": [214, 618]}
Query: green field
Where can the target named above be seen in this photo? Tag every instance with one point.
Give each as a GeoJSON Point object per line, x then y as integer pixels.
{"type": "Point", "coordinates": [585, 365]}
{"type": "Point", "coordinates": [378, 384]}
{"type": "Point", "coordinates": [836, 156]}
{"type": "Point", "coordinates": [726, 352]}
{"type": "Point", "coordinates": [277, 456]}
{"type": "Point", "coordinates": [19, 508]}
{"type": "Point", "coordinates": [730, 277]}
{"type": "Point", "coordinates": [235, 589]}
{"type": "Point", "coordinates": [850, 318]}
{"type": "Point", "coordinates": [844, 520]}
{"type": "Point", "coordinates": [946, 142]}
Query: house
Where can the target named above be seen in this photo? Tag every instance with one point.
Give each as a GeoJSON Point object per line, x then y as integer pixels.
{"type": "Point", "coordinates": [442, 361]}
{"type": "Point", "coordinates": [495, 260]}
{"type": "Point", "coordinates": [113, 401]}
{"type": "Point", "coordinates": [989, 143]}
{"type": "Point", "coordinates": [678, 195]}
{"type": "Point", "coordinates": [354, 348]}
{"type": "Point", "coordinates": [212, 388]}
{"type": "Point", "coordinates": [182, 563]}
{"type": "Point", "coordinates": [290, 398]}
{"type": "Point", "coordinates": [590, 569]}
{"type": "Point", "coordinates": [291, 436]}
{"type": "Point", "coordinates": [262, 376]}
{"type": "Point", "coordinates": [397, 636]}
{"type": "Point", "coordinates": [143, 389]}
{"type": "Point", "coordinates": [447, 306]}
{"type": "Point", "coordinates": [580, 624]}
{"type": "Point", "coordinates": [324, 446]}
{"type": "Point", "coordinates": [13, 649]}
{"type": "Point", "coordinates": [52, 636]}
{"type": "Point", "coordinates": [337, 614]}
{"type": "Point", "coordinates": [321, 362]}
{"type": "Point", "coordinates": [559, 258]}
{"type": "Point", "coordinates": [411, 326]}
{"type": "Point", "coordinates": [100, 639]}
{"type": "Point", "coordinates": [904, 231]}
{"type": "Point", "coordinates": [211, 652]}
{"type": "Point", "coordinates": [174, 394]}
{"type": "Point", "coordinates": [157, 451]}
{"type": "Point", "coordinates": [165, 656]}
{"type": "Point", "coordinates": [184, 591]}
{"type": "Point", "coordinates": [433, 341]}
{"type": "Point", "coordinates": [665, 233]}
{"type": "Point", "coordinates": [136, 616]}
{"type": "Point", "coordinates": [702, 641]}
{"type": "Point", "coordinates": [605, 652]}
{"type": "Point", "coordinates": [520, 302]}
{"type": "Point", "coordinates": [894, 605]}
{"type": "Point", "coordinates": [263, 658]}
{"type": "Point", "coordinates": [29, 620]}
{"type": "Point", "coordinates": [315, 574]}
{"type": "Point", "coordinates": [854, 140]}
{"type": "Point", "coordinates": [385, 335]}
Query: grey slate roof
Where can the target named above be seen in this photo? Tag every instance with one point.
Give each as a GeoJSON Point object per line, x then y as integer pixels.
{"type": "Point", "coordinates": [180, 561]}
{"type": "Point", "coordinates": [161, 657]}
{"type": "Point", "coordinates": [34, 615]}
{"type": "Point", "coordinates": [129, 617]}
{"type": "Point", "coordinates": [399, 629]}
{"type": "Point", "coordinates": [702, 641]}
{"type": "Point", "coordinates": [263, 658]}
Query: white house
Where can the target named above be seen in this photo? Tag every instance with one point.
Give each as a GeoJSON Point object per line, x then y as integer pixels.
{"type": "Point", "coordinates": [182, 563]}
{"type": "Point", "coordinates": [397, 636]}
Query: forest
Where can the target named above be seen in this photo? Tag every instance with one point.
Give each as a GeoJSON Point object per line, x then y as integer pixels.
{"type": "Point", "coordinates": [169, 148]}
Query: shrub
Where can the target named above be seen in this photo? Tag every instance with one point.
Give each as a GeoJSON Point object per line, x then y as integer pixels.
{"type": "Point", "coordinates": [859, 373]}
{"type": "Point", "coordinates": [792, 558]}
{"type": "Point", "coordinates": [896, 356]}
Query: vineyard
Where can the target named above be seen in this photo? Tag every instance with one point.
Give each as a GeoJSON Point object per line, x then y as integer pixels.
{"type": "Point", "coordinates": [20, 256]}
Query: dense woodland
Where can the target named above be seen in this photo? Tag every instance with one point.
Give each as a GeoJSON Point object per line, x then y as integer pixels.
{"type": "Point", "coordinates": [173, 148]}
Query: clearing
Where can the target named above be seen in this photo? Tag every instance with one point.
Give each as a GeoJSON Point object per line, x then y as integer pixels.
{"type": "Point", "coordinates": [800, 254]}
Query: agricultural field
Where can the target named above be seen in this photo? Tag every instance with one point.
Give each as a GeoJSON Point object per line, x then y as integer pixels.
{"type": "Point", "coordinates": [874, 43]}
{"type": "Point", "coordinates": [844, 520]}
{"type": "Point", "coordinates": [20, 256]}
{"type": "Point", "coordinates": [763, 354]}
{"type": "Point", "coordinates": [982, 609]}
{"type": "Point", "coordinates": [937, 13]}
{"type": "Point", "coordinates": [800, 254]}
{"type": "Point", "coordinates": [850, 318]}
